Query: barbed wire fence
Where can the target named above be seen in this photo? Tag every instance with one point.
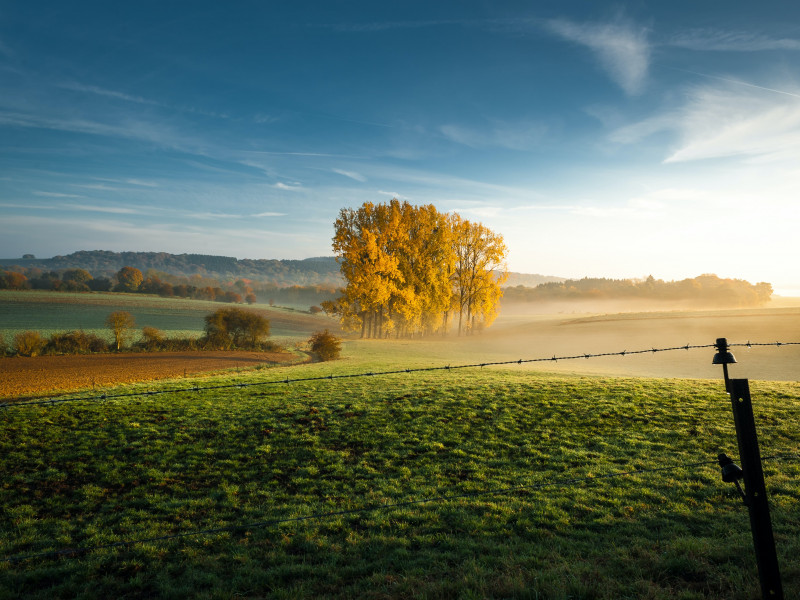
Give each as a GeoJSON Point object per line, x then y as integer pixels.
{"type": "Point", "coordinates": [44, 400]}
{"type": "Point", "coordinates": [74, 552]}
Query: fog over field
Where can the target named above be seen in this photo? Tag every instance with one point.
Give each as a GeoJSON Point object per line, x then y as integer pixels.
{"type": "Point", "coordinates": [571, 329]}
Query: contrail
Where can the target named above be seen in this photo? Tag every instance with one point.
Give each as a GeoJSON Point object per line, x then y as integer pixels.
{"type": "Point", "coordinates": [759, 87]}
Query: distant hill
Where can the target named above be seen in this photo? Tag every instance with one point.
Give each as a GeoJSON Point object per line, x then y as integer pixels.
{"type": "Point", "coordinates": [311, 271]}
{"type": "Point", "coordinates": [320, 270]}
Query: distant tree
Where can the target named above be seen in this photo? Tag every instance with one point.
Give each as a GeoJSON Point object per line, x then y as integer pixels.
{"type": "Point", "coordinates": [238, 327]}
{"type": "Point", "coordinates": [129, 279]}
{"type": "Point", "coordinates": [325, 345]}
{"type": "Point", "coordinates": [76, 275]}
{"type": "Point", "coordinates": [11, 280]}
{"type": "Point", "coordinates": [315, 310]}
{"type": "Point", "coordinates": [28, 256]}
{"type": "Point", "coordinates": [250, 298]}
{"type": "Point", "coordinates": [120, 322]}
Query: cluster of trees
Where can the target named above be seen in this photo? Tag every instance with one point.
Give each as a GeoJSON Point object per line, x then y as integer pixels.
{"type": "Point", "coordinates": [131, 279]}
{"type": "Point", "coordinates": [411, 270]}
{"type": "Point", "coordinates": [282, 273]}
{"type": "Point", "coordinates": [225, 329]}
{"type": "Point", "coordinates": [127, 279]}
{"type": "Point", "coordinates": [705, 290]}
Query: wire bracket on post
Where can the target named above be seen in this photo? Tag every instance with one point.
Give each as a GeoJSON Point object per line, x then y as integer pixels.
{"type": "Point", "coordinates": [731, 473]}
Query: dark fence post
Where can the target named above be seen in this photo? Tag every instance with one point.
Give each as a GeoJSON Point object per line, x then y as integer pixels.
{"type": "Point", "coordinates": [755, 490]}
{"type": "Point", "coordinates": [755, 495]}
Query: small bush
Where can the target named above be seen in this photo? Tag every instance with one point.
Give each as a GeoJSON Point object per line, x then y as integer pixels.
{"type": "Point", "coordinates": [75, 342]}
{"type": "Point", "coordinates": [152, 339]}
{"type": "Point", "coordinates": [2, 346]}
{"type": "Point", "coordinates": [315, 310]}
{"type": "Point", "coordinates": [325, 345]}
{"type": "Point", "coordinates": [28, 343]}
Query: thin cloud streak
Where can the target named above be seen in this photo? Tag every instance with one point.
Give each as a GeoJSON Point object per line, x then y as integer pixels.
{"type": "Point", "coordinates": [621, 47]}
{"type": "Point", "coordinates": [92, 89]}
{"type": "Point", "coordinates": [730, 41]}
{"type": "Point", "coordinates": [350, 174]}
{"type": "Point", "coordinates": [56, 195]}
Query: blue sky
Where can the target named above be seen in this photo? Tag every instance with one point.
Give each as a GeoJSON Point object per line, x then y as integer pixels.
{"type": "Point", "coordinates": [612, 140]}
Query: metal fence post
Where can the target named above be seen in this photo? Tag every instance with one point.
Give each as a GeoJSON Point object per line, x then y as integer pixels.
{"type": "Point", "coordinates": [755, 495]}
{"type": "Point", "coordinates": [755, 490]}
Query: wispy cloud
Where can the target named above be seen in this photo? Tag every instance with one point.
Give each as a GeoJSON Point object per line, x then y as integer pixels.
{"type": "Point", "coordinates": [726, 121]}
{"type": "Point", "coordinates": [96, 186]}
{"type": "Point", "coordinates": [288, 188]}
{"type": "Point", "coordinates": [720, 122]}
{"type": "Point", "coordinates": [93, 89]}
{"type": "Point", "coordinates": [514, 136]}
{"type": "Point", "coordinates": [156, 133]}
{"type": "Point", "coordinates": [214, 215]}
{"type": "Point", "coordinates": [350, 174]}
{"type": "Point", "coordinates": [56, 195]}
{"type": "Point", "coordinates": [730, 41]}
{"type": "Point", "coordinates": [393, 195]}
{"type": "Point", "coordinates": [116, 210]}
{"type": "Point", "coordinates": [269, 214]}
{"type": "Point", "coordinates": [621, 47]}
{"type": "Point", "coordinates": [738, 82]}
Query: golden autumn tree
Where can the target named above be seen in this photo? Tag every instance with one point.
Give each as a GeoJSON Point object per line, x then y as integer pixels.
{"type": "Point", "coordinates": [363, 246]}
{"type": "Point", "coordinates": [401, 263]}
{"type": "Point", "coordinates": [479, 272]}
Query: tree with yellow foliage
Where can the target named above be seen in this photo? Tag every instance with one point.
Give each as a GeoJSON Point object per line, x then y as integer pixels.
{"type": "Point", "coordinates": [479, 272]}
{"type": "Point", "coordinates": [407, 268]}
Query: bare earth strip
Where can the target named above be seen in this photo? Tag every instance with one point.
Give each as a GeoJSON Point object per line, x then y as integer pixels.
{"type": "Point", "coordinates": [41, 375]}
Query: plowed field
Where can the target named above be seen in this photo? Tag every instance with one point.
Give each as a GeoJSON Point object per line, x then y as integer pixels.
{"type": "Point", "coordinates": [21, 377]}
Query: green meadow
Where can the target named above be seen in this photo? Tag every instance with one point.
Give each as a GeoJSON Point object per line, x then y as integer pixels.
{"type": "Point", "coordinates": [512, 462]}
{"type": "Point", "coordinates": [571, 479]}
{"type": "Point", "coordinates": [49, 312]}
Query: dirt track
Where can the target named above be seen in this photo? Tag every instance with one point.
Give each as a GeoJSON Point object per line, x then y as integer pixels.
{"type": "Point", "coordinates": [42, 375]}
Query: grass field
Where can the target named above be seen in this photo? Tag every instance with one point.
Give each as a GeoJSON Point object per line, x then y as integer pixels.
{"type": "Point", "coordinates": [49, 312]}
{"type": "Point", "coordinates": [474, 483]}
{"type": "Point", "coordinates": [93, 473]}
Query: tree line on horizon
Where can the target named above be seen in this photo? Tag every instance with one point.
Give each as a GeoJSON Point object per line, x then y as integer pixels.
{"type": "Point", "coordinates": [707, 289]}
{"type": "Point", "coordinates": [166, 285]}
{"type": "Point", "coordinates": [412, 270]}
{"type": "Point", "coordinates": [105, 263]}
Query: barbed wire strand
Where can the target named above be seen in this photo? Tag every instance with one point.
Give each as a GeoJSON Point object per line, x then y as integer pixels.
{"type": "Point", "coordinates": [41, 401]}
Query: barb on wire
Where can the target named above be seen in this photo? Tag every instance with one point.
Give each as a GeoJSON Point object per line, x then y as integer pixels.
{"type": "Point", "coordinates": [570, 482]}
{"type": "Point", "coordinates": [41, 401]}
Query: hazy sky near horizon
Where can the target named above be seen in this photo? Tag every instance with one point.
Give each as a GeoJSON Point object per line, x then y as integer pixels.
{"type": "Point", "coordinates": [601, 139]}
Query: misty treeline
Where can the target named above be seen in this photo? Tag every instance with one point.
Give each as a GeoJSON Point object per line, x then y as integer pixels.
{"type": "Point", "coordinates": [705, 290]}
{"type": "Point", "coordinates": [411, 270]}
{"type": "Point", "coordinates": [132, 280]}
{"type": "Point", "coordinates": [280, 273]}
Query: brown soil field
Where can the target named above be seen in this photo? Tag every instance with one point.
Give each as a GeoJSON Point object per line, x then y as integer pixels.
{"type": "Point", "coordinates": [42, 375]}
